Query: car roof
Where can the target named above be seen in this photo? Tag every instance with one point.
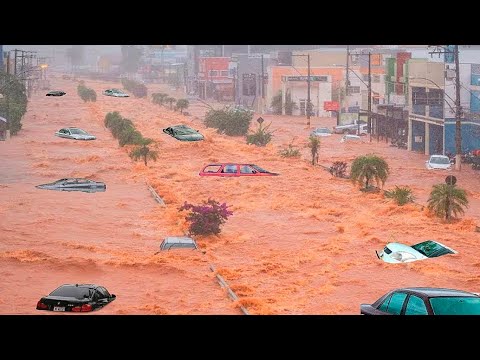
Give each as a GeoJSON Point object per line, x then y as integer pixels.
{"type": "Point", "coordinates": [439, 156]}
{"type": "Point", "coordinates": [221, 164]}
{"type": "Point", "coordinates": [437, 292]}
{"type": "Point", "coordinates": [178, 240]}
{"type": "Point", "coordinates": [89, 286]}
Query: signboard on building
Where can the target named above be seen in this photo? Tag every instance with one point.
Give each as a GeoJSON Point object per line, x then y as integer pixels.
{"type": "Point", "coordinates": [331, 106]}
{"type": "Point", "coordinates": [305, 78]}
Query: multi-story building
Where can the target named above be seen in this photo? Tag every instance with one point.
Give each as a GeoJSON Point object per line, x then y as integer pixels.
{"type": "Point", "coordinates": [214, 79]}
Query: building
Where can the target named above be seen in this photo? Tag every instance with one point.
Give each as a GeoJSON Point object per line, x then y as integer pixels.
{"type": "Point", "coordinates": [214, 79]}
{"type": "Point", "coordinates": [250, 91]}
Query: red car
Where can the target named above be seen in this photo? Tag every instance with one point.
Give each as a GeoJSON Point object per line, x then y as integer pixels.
{"type": "Point", "coordinates": [229, 169]}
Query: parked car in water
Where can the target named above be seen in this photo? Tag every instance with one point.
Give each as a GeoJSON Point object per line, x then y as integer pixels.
{"type": "Point", "coordinates": [76, 298]}
{"type": "Point", "coordinates": [424, 301]}
{"type": "Point", "coordinates": [175, 242]}
{"type": "Point", "coordinates": [438, 162]}
{"type": "Point", "coordinates": [183, 133]}
{"type": "Point", "coordinates": [74, 184]}
{"type": "Point", "coordinates": [395, 253]}
{"type": "Point", "coordinates": [115, 93]}
{"type": "Point", "coordinates": [56, 93]}
{"type": "Point", "coordinates": [230, 169]}
{"type": "Point", "coordinates": [349, 138]}
{"type": "Point", "coordinates": [322, 131]}
{"type": "Point", "coordinates": [352, 128]}
{"type": "Point", "coordinates": [74, 133]}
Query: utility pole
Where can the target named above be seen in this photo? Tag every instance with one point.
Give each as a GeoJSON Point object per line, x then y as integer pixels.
{"type": "Point", "coordinates": [369, 95]}
{"type": "Point", "coordinates": [458, 114]}
{"type": "Point", "coordinates": [458, 107]}
{"type": "Point", "coordinates": [15, 63]}
{"type": "Point", "coordinates": [262, 86]}
{"type": "Point", "coordinates": [8, 62]}
{"type": "Point", "coordinates": [347, 79]}
{"type": "Point", "coordinates": [309, 105]}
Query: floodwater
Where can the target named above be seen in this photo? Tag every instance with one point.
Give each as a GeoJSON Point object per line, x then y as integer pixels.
{"type": "Point", "coordinates": [299, 243]}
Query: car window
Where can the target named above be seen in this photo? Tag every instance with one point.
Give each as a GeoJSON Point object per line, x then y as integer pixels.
{"type": "Point", "coordinates": [76, 292]}
{"type": "Point", "coordinates": [103, 291]}
{"type": "Point", "coordinates": [212, 168]}
{"type": "Point", "coordinates": [396, 303]}
{"type": "Point", "coordinates": [415, 306]}
{"type": "Point", "coordinates": [230, 169]}
{"type": "Point", "coordinates": [245, 169]}
{"type": "Point", "coordinates": [456, 305]}
{"type": "Point", "coordinates": [259, 169]}
{"type": "Point", "coordinates": [384, 305]}
{"type": "Point", "coordinates": [431, 249]}
{"type": "Point", "coordinates": [439, 160]}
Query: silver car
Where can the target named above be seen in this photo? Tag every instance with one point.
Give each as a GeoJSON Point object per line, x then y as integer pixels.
{"type": "Point", "coordinates": [74, 133]}
{"type": "Point", "coordinates": [74, 184]}
{"type": "Point", "coordinates": [115, 93]}
{"type": "Point", "coordinates": [438, 162]}
{"type": "Point", "coordinates": [323, 131]}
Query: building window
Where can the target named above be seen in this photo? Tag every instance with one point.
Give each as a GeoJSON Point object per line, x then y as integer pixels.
{"type": "Point", "coordinates": [213, 73]}
{"type": "Point", "coordinates": [354, 90]}
{"type": "Point", "coordinates": [224, 73]}
{"type": "Point", "coordinates": [249, 85]}
{"type": "Point", "coordinates": [475, 101]}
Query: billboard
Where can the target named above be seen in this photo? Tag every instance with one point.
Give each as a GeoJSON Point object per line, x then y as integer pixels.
{"type": "Point", "coordinates": [331, 106]}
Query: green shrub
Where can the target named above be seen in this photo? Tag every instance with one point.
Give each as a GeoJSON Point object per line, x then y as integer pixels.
{"type": "Point", "coordinates": [129, 136]}
{"type": "Point", "coordinates": [182, 104]}
{"type": "Point", "coordinates": [401, 195]}
{"type": "Point", "coordinates": [261, 137]}
{"type": "Point", "coordinates": [86, 94]}
{"type": "Point", "coordinates": [232, 122]}
{"type": "Point", "coordinates": [111, 118]}
{"type": "Point", "coordinates": [290, 151]}
{"type": "Point", "coordinates": [159, 98]}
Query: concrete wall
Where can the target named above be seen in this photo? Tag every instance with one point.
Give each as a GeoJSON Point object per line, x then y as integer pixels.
{"type": "Point", "coordinates": [319, 93]}
{"type": "Point", "coordinates": [320, 58]}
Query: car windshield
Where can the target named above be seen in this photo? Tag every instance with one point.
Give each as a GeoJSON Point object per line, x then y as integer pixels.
{"type": "Point", "coordinates": [78, 132]}
{"type": "Point", "coordinates": [387, 250]}
{"type": "Point", "coordinates": [259, 169]}
{"type": "Point", "coordinates": [322, 130]}
{"type": "Point", "coordinates": [458, 305]}
{"type": "Point", "coordinates": [184, 131]}
{"type": "Point", "coordinates": [431, 249]}
{"type": "Point", "coordinates": [439, 160]}
{"type": "Point", "coordinates": [76, 292]}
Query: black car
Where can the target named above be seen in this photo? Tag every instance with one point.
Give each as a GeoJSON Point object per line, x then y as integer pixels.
{"type": "Point", "coordinates": [56, 93]}
{"type": "Point", "coordinates": [76, 298]}
{"type": "Point", "coordinates": [424, 301]}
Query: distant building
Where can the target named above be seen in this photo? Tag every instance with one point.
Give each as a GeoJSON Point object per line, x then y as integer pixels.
{"type": "Point", "coordinates": [214, 79]}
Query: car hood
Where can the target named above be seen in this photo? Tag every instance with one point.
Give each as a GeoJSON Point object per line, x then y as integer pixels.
{"type": "Point", "coordinates": [400, 254]}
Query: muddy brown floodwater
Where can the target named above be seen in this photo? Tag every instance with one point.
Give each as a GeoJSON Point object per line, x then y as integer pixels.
{"type": "Point", "coordinates": [299, 243]}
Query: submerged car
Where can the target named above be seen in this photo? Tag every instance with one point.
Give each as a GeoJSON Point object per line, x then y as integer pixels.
{"type": "Point", "coordinates": [395, 253]}
{"type": "Point", "coordinates": [350, 138]}
{"type": "Point", "coordinates": [440, 162]}
{"type": "Point", "coordinates": [75, 134]}
{"type": "Point", "coordinates": [182, 242]}
{"type": "Point", "coordinates": [76, 298]}
{"type": "Point", "coordinates": [115, 93]}
{"type": "Point", "coordinates": [424, 301]}
{"type": "Point", "coordinates": [183, 133]}
{"type": "Point", "coordinates": [229, 169]}
{"type": "Point", "coordinates": [323, 131]}
{"type": "Point", "coordinates": [56, 93]}
{"type": "Point", "coordinates": [75, 184]}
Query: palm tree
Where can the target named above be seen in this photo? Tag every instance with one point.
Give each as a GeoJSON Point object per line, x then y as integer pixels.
{"type": "Point", "coordinates": [182, 104]}
{"type": "Point", "coordinates": [446, 199]}
{"type": "Point", "coordinates": [142, 151]}
{"type": "Point", "coordinates": [369, 167]}
{"type": "Point", "coordinates": [314, 145]}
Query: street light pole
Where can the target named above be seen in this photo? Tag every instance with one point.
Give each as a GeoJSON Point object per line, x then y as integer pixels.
{"type": "Point", "coordinates": [369, 96]}
{"type": "Point", "coordinates": [309, 105]}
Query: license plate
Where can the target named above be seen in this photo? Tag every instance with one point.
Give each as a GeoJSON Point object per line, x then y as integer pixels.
{"type": "Point", "coordinates": [59, 308]}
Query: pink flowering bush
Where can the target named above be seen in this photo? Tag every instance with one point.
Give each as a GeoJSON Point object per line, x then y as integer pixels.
{"type": "Point", "coordinates": [207, 218]}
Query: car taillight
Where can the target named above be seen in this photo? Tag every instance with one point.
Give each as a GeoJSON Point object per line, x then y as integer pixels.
{"type": "Point", "coordinates": [86, 307]}
{"type": "Point", "coordinates": [77, 309]}
{"type": "Point", "coordinates": [41, 305]}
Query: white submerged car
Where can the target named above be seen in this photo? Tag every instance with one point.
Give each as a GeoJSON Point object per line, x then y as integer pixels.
{"type": "Point", "coordinates": [438, 162]}
{"type": "Point", "coordinates": [75, 134]}
{"type": "Point", "coordinates": [115, 93]}
{"type": "Point", "coordinates": [395, 253]}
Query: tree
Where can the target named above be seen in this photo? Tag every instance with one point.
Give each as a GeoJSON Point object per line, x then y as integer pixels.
{"type": "Point", "coordinates": [446, 199]}
{"type": "Point", "coordinates": [170, 100]}
{"type": "Point", "coordinates": [142, 151]}
{"type": "Point", "coordinates": [401, 195]}
{"type": "Point", "coordinates": [13, 105]}
{"type": "Point", "coordinates": [314, 145]}
{"type": "Point", "coordinates": [231, 122]}
{"type": "Point", "coordinates": [182, 104]}
{"type": "Point", "coordinates": [207, 218]}
{"type": "Point", "coordinates": [369, 167]}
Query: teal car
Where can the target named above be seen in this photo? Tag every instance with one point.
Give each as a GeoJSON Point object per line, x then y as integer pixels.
{"type": "Point", "coordinates": [395, 253]}
{"type": "Point", "coordinates": [183, 133]}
